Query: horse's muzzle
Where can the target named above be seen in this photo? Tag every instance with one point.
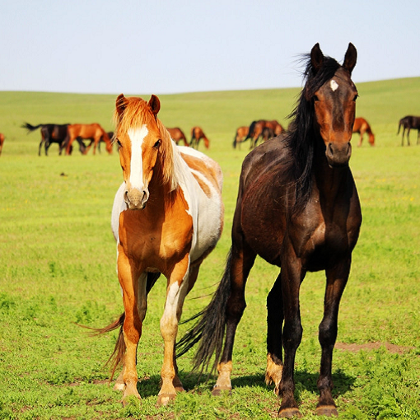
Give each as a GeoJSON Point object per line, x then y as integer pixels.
{"type": "Point", "coordinates": [338, 154]}
{"type": "Point", "coordinates": [136, 199]}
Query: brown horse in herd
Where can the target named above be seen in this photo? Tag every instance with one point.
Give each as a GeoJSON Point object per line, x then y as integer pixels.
{"type": "Point", "coordinates": [1, 142]}
{"type": "Point", "coordinates": [240, 136]}
{"type": "Point", "coordinates": [255, 131]}
{"type": "Point", "coordinates": [93, 132]}
{"type": "Point", "coordinates": [361, 126]}
{"type": "Point", "coordinates": [407, 123]}
{"type": "Point", "coordinates": [197, 134]}
{"type": "Point", "coordinates": [298, 209]}
{"type": "Point", "coordinates": [177, 135]}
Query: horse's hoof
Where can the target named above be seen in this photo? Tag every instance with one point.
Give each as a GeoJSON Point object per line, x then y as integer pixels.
{"type": "Point", "coordinates": [289, 413]}
{"type": "Point", "coordinates": [218, 390]}
{"type": "Point", "coordinates": [165, 399]}
{"type": "Point", "coordinates": [327, 410]}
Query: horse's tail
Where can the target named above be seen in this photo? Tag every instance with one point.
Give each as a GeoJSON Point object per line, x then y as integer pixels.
{"type": "Point", "coordinates": [117, 356]}
{"type": "Point", "coordinates": [251, 130]}
{"type": "Point", "coordinates": [234, 140]}
{"type": "Point", "coordinates": [399, 126]}
{"type": "Point", "coordinates": [30, 127]}
{"type": "Point", "coordinates": [209, 330]}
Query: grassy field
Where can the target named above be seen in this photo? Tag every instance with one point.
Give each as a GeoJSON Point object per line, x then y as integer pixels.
{"type": "Point", "coordinates": [57, 268]}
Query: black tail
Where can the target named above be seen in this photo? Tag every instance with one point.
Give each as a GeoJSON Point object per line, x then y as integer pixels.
{"type": "Point", "coordinates": [234, 141]}
{"type": "Point", "coordinates": [251, 131]}
{"type": "Point", "coordinates": [209, 330]}
{"type": "Point", "coordinates": [30, 127]}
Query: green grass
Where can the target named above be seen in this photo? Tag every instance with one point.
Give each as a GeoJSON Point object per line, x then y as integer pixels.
{"type": "Point", "coordinates": [57, 268]}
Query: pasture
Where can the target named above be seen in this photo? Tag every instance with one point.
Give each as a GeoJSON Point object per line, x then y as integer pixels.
{"type": "Point", "coordinates": [58, 258]}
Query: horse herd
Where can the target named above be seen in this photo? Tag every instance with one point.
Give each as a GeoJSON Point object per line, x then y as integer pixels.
{"type": "Point", "coordinates": [260, 130]}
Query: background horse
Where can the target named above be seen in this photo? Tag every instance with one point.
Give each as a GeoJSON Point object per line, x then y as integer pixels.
{"type": "Point", "coordinates": [297, 208]}
{"type": "Point", "coordinates": [93, 132]}
{"type": "Point", "coordinates": [361, 126]}
{"type": "Point", "coordinates": [255, 131]}
{"type": "Point", "coordinates": [196, 135]}
{"type": "Point", "coordinates": [177, 135]}
{"type": "Point", "coordinates": [407, 123]}
{"type": "Point", "coordinates": [240, 135]}
{"type": "Point", "coordinates": [171, 233]}
{"type": "Point", "coordinates": [53, 133]}
{"type": "Point", "coordinates": [1, 142]}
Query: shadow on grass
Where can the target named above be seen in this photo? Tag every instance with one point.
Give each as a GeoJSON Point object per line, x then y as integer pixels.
{"type": "Point", "coordinates": [305, 381]}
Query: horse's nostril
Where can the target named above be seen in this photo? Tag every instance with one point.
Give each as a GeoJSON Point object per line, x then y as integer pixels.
{"type": "Point", "coordinates": [330, 149]}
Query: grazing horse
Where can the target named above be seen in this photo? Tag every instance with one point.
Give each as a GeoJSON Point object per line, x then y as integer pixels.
{"type": "Point", "coordinates": [1, 142]}
{"type": "Point", "coordinates": [196, 135]}
{"type": "Point", "coordinates": [53, 133]}
{"type": "Point", "coordinates": [297, 208]}
{"type": "Point", "coordinates": [407, 123]}
{"type": "Point", "coordinates": [255, 131]}
{"type": "Point", "coordinates": [93, 132]}
{"type": "Point", "coordinates": [361, 126]}
{"type": "Point", "coordinates": [177, 135]}
{"type": "Point", "coordinates": [167, 217]}
{"type": "Point", "coordinates": [240, 135]}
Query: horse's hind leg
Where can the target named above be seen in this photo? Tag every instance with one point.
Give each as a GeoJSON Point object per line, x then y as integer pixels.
{"type": "Point", "coordinates": [275, 318]}
{"type": "Point", "coordinates": [240, 265]}
{"type": "Point", "coordinates": [336, 282]}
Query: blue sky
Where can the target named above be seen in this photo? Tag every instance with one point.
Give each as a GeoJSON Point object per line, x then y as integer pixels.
{"type": "Point", "coordinates": [142, 47]}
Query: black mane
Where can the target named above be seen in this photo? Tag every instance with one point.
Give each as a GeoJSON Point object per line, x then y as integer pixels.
{"type": "Point", "coordinates": [300, 139]}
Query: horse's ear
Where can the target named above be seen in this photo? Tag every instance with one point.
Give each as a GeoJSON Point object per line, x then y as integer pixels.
{"type": "Point", "coordinates": [350, 58]}
{"type": "Point", "coordinates": [154, 104]}
{"type": "Point", "coordinates": [121, 104]}
{"type": "Point", "coordinates": [317, 58]}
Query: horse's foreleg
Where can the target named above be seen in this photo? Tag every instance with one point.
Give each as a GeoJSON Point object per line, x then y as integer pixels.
{"type": "Point", "coordinates": [361, 139]}
{"type": "Point", "coordinates": [177, 289]}
{"type": "Point", "coordinates": [240, 265]}
{"type": "Point", "coordinates": [275, 318]}
{"type": "Point", "coordinates": [336, 282]}
{"type": "Point", "coordinates": [135, 309]}
{"type": "Point", "coordinates": [291, 275]}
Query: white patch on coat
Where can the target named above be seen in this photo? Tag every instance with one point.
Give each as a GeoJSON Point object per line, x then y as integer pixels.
{"type": "Point", "coordinates": [334, 85]}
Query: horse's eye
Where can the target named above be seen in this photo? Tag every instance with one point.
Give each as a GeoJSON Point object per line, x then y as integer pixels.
{"type": "Point", "coordinates": [157, 144]}
{"type": "Point", "coordinates": [316, 99]}
{"type": "Point", "coordinates": [355, 97]}
{"type": "Point", "coordinates": [119, 143]}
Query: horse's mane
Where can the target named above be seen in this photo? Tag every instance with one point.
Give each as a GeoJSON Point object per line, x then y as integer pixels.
{"type": "Point", "coordinates": [301, 138]}
{"type": "Point", "coordinates": [136, 113]}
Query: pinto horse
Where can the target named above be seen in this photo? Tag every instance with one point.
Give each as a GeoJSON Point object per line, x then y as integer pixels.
{"type": "Point", "coordinates": [361, 126]}
{"type": "Point", "coordinates": [177, 135]}
{"type": "Point", "coordinates": [196, 135]}
{"type": "Point", "coordinates": [298, 209]}
{"type": "Point", "coordinates": [53, 133]}
{"type": "Point", "coordinates": [93, 132]}
{"type": "Point", "coordinates": [240, 136]}
{"type": "Point", "coordinates": [167, 217]}
{"type": "Point", "coordinates": [1, 142]}
{"type": "Point", "coordinates": [407, 123]}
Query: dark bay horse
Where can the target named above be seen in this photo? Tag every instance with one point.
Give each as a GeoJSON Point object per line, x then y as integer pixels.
{"type": "Point", "coordinates": [167, 217]}
{"type": "Point", "coordinates": [197, 134]}
{"type": "Point", "coordinates": [177, 135]}
{"type": "Point", "coordinates": [93, 132]}
{"type": "Point", "coordinates": [407, 123]}
{"type": "Point", "coordinates": [361, 126]}
{"type": "Point", "coordinates": [1, 142]}
{"type": "Point", "coordinates": [297, 208]}
{"type": "Point", "coordinates": [240, 136]}
{"type": "Point", "coordinates": [53, 133]}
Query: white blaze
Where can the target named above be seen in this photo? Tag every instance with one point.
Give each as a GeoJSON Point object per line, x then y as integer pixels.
{"type": "Point", "coordinates": [334, 85]}
{"type": "Point", "coordinates": [137, 136]}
